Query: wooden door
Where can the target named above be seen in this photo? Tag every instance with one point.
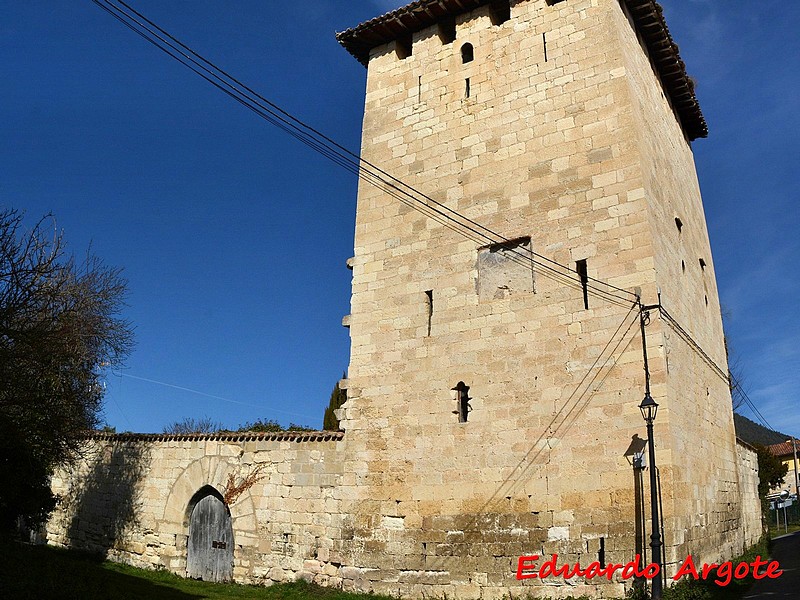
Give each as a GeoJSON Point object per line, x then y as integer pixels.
{"type": "Point", "coordinates": [210, 551]}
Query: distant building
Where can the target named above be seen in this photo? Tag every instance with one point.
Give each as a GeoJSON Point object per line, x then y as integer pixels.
{"type": "Point", "coordinates": [786, 453]}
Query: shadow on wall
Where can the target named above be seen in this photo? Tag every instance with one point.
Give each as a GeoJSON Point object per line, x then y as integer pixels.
{"type": "Point", "coordinates": [104, 502]}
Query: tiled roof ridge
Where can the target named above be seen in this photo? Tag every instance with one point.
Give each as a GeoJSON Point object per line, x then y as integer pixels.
{"type": "Point", "coordinates": [648, 19]}
{"type": "Point", "coordinates": [222, 436]}
{"type": "Point", "coordinates": [781, 449]}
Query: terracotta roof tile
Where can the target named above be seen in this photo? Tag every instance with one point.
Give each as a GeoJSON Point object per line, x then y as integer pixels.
{"type": "Point", "coordinates": [225, 436]}
{"type": "Point", "coordinates": [782, 449]}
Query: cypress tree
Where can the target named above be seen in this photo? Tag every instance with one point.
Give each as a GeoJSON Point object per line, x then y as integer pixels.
{"type": "Point", "coordinates": [338, 397]}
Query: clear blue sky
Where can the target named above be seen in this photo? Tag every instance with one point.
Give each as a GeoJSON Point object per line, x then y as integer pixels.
{"type": "Point", "coordinates": [234, 236]}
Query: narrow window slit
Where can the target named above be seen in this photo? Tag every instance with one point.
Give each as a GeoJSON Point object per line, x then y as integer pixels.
{"type": "Point", "coordinates": [601, 553]}
{"type": "Point", "coordinates": [544, 45]}
{"type": "Point", "coordinates": [678, 224]}
{"type": "Point", "coordinates": [702, 264]}
{"type": "Point", "coordinates": [467, 90]}
{"type": "Point", "coordinates": [583, 273]}
{"type": "Point", "coordinates": [462, 401]}
{"type": "Point", "coordinates": [419, 90]}
{"type": "Point", "coordinates": [429, 307]}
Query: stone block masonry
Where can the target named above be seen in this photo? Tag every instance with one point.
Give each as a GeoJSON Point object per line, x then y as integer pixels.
{"type": "Point", "coordinates": [567, 133]}
{"type": "Point", "coordinates": [130, 499]}
{"type": "Point", "coordinates": [493, 395]}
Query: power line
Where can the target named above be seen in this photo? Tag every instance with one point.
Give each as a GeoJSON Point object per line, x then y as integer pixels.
{"type": "Point", "coordinates": [376, 176]}
{"type": "Point", "coordinates": [199, 393]}
{"type": "Point", "coordinates": [693, 344]}
{"type": "Point", "coordinates": [344, 157]}
{"type": "Point", "coordinates": [728, 377]}
{"type": "Point", "coordinates": [751, 404]}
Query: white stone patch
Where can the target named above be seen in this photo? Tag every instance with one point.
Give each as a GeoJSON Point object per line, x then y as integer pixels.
{"type": "Point", "coordinates": [393, 522]}
{"type": "Point", "coordinates": [557, 533]}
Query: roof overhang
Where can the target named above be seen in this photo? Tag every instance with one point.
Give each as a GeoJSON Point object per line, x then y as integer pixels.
{"type": "Point", "coordinates": [647, 16]}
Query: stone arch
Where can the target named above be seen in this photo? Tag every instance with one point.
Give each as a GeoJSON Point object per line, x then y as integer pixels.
{"type": "Point", "coordinates": [203, 473]}
{"type": "Point", "coordinates": [206, 490]}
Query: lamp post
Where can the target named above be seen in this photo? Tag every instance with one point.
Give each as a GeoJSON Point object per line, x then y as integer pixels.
{"type": "Point", "coordinates": [649, 409]}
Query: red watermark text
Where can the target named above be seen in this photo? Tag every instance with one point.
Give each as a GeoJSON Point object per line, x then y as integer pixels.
{"type": "Point", "coordinates": [528, 567]}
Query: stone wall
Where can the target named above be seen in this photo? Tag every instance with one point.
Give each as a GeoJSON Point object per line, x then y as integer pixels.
{"type": "Point", "coordinates": [751, 521]}
{"type": "Point", "coordinates": [695, 429]}
{"type": "Point", "coordinates": [129, 499]}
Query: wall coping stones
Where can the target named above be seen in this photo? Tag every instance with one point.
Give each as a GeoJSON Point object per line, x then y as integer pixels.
{"type": "Point", "coordinates": [222, 436]}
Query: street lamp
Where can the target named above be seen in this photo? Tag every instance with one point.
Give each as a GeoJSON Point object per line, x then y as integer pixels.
{"type": "Point", "coordinates": [649, 410]}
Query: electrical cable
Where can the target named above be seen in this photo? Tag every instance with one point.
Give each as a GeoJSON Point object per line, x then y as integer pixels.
{"type": "Point", "coordinates": [199, 393]}
{"type": "Point", "coordinates": [339, 154]}
{"type": "Point", "coordinates": [728, 378]}
{"type": "Point", "coordinates": [751, 404]}
{"type": "Point", "coordinates": [222, 75]}
{"type": "Point", "coordinates": [374, 175]}
{"type": "Point", "coordinates": [693, 344]}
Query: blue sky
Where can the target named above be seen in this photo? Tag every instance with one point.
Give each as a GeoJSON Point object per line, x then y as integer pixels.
{"type": "Point", "coordinates": [234, 237]}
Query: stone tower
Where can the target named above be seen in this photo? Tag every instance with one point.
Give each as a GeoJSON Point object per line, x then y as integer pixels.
{"type": "Point", "coordinates": [492, 394]}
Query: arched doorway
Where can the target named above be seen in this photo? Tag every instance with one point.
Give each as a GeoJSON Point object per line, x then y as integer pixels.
{"type": "Point", "coordinates": [210, 547]}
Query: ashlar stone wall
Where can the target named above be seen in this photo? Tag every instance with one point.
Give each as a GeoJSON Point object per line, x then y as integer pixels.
{"type": "Point", "coordinates": [568, 144]}
{"type": "Point", "coordinates": [130, 499]}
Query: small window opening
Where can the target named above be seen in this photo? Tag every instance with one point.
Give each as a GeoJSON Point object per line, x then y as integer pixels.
{"type": "Point", "coordinates": [404, 46]}
{"type": "Point", "coordinates": [601, 553]}
{"type": "Point", "coordinates": [544, 45]}
{"type": "Point", "coordinates": [505, 269]}
{"type": "Point", "coordinates": [678, 224]}
{"type": "Point", "coordinates": [429, 307]}
{"type": "Point", "coordinates": [683, 266]}
{"type": "Point", "coordinates": [702, 264]}
{"type": "Point", "coordinates": [467, 53]}
{"type": "Point", "coordinates": [447, 30]}
{"type": "Point", "coordinates": [462, 401]}
{"type": "Point", "coordinates": [466, 89]}
{"type": "Point", "coordinates": [500, 11]}
{"type": "Point", "coordinates": [583, 273]}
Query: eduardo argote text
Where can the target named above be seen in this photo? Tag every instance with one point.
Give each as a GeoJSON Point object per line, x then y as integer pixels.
{"type": "Point", "coordinates": [528, 567]}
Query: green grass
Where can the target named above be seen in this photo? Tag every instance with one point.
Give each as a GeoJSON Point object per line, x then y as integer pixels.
{"type": "Point", "coordinates": [778, 531]}
{"type": "Point", "coordinates": [41, 572]}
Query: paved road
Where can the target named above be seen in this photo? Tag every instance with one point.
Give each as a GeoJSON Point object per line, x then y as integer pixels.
{"type": "Point", "coordinates": [786, 550]}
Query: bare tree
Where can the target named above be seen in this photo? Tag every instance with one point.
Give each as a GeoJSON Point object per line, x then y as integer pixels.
{"type": "Point", "coordinates": [60, 327]}
{"type": "Point", "coordinates": [190, 425]}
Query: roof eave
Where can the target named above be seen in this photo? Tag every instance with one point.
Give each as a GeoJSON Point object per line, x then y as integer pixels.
{"type": "Point", "coordinates": [647, 16]}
